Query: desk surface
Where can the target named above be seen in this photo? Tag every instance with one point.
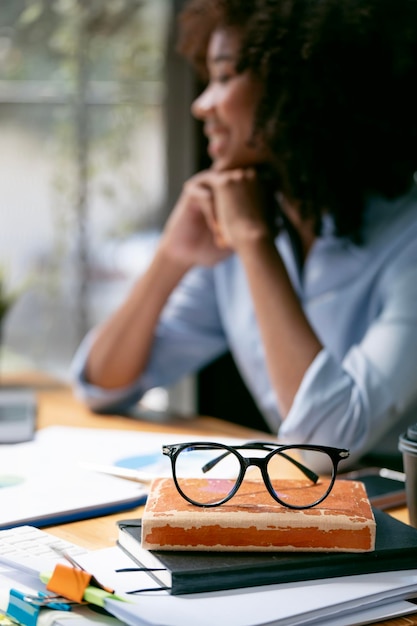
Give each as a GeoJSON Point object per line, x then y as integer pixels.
{"type": "Point", "coordinates": [58, 406]}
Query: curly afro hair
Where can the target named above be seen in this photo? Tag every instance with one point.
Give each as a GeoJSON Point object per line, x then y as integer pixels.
{"type": "Point", "coordinates": [339, 102]}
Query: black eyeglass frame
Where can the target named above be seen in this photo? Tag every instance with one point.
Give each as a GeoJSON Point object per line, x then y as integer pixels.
{"type": "Point", "coordinates": [336, 455]}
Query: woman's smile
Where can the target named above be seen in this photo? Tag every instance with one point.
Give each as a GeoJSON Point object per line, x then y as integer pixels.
{"type": "Point", "coordinates": [227, 106]}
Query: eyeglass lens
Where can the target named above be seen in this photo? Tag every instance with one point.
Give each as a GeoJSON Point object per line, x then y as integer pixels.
{"type": "Point", "coordinates": [300, 491]}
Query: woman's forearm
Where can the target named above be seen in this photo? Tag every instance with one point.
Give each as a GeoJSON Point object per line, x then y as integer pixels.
{"type": "Point", "coordinates": [289, 341]}
{"type": "Point", "coordinates": [121, 349]}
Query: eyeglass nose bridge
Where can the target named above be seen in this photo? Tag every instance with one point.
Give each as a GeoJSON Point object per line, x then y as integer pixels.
{"type": "Point", "coordinates": [256, 461]}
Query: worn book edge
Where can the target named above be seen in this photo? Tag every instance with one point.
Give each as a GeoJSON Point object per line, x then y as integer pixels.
{"type": "Point", "coordinates": [344, 522]}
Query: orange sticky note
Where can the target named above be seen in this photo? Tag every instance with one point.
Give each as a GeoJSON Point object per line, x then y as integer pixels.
{"type": "Point", "coordinates": [69, 582]}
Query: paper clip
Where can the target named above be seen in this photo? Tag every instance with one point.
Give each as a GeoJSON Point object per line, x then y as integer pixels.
{"type": "Point", "coordinates": [76, 584]}
{"type": "Point", "coordinates": [69, 582]}
{"type": "Point", "coordinates": [25, 608]}
{"type": "Point", "coordinates": [21, 610]}
{"type": "Point", "coordinates": [74, 580]}
{"type": "Point", "coordinates": [51, 602]}
{"type": "Point", "coordinates": [76, 565]}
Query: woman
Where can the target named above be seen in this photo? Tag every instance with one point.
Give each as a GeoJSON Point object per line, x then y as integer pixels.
{"type": "Point", "coordinates": [297, 249]}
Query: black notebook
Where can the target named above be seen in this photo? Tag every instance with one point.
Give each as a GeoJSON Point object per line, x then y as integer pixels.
{"type": "Point", "coordinates": [193, 572]}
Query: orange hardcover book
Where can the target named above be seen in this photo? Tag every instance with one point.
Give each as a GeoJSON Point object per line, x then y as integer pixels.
{"type": "Point", "coordinates": [253, 521]}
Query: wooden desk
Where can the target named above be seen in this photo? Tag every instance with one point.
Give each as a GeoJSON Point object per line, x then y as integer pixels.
{"type": "Point", "coordinates": [58, 406]}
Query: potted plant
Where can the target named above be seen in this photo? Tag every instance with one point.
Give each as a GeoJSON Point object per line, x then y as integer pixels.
{"type": "Point", "coordinates": [7, 299]}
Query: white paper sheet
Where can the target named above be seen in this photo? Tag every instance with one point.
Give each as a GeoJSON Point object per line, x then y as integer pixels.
{"type": "Point", "coordinates": [45, 481]}
{"type": "Point", "coordinates": [290, 604]}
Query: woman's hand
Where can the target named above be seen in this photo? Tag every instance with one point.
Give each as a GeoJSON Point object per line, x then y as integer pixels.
{"type": "Point", "coordinates": [189, 237]}
{"type": "Point", "coordinates": [236, 213]}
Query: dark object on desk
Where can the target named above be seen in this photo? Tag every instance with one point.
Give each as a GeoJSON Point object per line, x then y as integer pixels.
{"type": "Point", "coordinates": [385, 488]}
{"type": "Point", "coordinates": [193, 572]}
{"type": "Point", "coordinates": [407, 444]}
{"type": "Point", "coordinates": [17, 415]}
{"type": "Point", "coordinates": [222, 393]}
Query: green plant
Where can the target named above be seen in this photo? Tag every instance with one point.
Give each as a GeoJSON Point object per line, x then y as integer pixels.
{"type": "Point", "coordinates": [7, 296]}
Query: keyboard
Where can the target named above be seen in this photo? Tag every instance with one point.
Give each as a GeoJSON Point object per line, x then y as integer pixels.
{"type": "Point", "coordinates": [31, 550]}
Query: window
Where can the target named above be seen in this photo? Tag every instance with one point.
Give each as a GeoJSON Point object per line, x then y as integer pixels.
{"type": "Point", "coordinates": [83, 172]}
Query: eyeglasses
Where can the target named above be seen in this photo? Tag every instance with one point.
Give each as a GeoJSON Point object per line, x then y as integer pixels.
{"type": "Point", "coordinates": [191, 461]}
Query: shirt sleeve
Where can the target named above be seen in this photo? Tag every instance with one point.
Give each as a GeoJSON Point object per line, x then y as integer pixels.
{"type": "Point", "coordinates": [188, 336]}
{"type": "Point", "coordinates": [354, 403]}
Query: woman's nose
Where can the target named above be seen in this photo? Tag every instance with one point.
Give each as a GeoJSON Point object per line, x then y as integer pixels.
{"type": "Point", "coordinates": [203, 104]}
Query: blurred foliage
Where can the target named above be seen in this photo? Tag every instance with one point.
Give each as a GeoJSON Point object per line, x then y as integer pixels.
{"type": "Point", "coordinates": [8, 296]}
{"type": "Point", "coordinates": [40, 38]}
{"type": "Point", "coordinates": [119, 46]}
{"type": "Point", "coordinates": [104, 62]}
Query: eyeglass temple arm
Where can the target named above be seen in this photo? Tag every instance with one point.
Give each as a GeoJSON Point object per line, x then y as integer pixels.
{"type": "Point", "coordinates": [305, 470]}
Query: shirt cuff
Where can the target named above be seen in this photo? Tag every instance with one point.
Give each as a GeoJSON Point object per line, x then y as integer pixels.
{"type": "Point", "coordinates": [96, 398]}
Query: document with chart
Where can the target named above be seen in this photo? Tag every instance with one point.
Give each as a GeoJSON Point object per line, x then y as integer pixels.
{"type": "Point", "coordinates": [61, 476]}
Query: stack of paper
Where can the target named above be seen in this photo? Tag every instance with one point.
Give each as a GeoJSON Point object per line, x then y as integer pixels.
{"type": "Point", "coordinates": [346, 601]}
{"type": "Point", "coordinates": [337, 602]}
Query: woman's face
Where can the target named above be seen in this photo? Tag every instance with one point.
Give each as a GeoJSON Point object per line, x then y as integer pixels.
{"type": "Point", "coordinates": [227, 106]}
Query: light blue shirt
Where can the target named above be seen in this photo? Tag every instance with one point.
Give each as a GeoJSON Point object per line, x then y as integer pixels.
{"type": "Point", "coordinates": [360, 392]}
